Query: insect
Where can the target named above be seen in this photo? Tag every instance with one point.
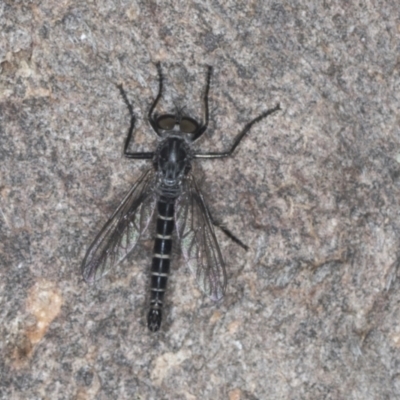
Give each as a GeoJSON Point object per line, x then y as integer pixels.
{"type": "Point", "coordinates": [167, 199]}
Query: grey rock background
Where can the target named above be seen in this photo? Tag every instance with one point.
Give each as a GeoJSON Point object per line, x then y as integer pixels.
{"type": "Point", "coordinates": [312, 309]}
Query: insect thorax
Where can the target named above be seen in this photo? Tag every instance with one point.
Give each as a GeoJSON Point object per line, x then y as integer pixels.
{"type": "Point", "coordinates": [172, 162]}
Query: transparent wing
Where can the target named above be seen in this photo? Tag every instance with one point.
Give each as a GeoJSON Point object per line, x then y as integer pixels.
{"type": "Point", "coordinates": [198, 242]}
{"type": "Point", "coordinates": [122, 231]}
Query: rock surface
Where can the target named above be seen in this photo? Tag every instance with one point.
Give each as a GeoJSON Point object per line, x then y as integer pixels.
{"type": "Point", "coordinates": [312, 309]}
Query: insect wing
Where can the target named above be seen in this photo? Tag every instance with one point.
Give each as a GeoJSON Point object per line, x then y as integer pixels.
{"type": "Point", "coordinates": [198, 242]}
{"type": "Point", "coordinates": [122, 231]}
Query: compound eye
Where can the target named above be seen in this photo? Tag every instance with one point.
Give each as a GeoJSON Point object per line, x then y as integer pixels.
{"type": "Point", "coordinates": [188, 125]}
{"type": "Point", "coordinates": [166, 122]}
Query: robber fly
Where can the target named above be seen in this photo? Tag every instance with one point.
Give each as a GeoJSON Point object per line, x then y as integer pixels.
{"type": "Point", "coordinates": [168, 197]}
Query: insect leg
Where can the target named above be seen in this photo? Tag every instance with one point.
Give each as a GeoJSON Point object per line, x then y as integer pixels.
{"type": "Point", "coordinates": [219, 224]}
{"type": "Point", "coordinates": [138, 155]}
{"type": "Point", "coordinates": [153, 123]}
{"type": "Point", "coordinates": [203, 128]}
{"type": "Point", "coordinates": [230, 235]}
{"type": "Point", "coordinates": [239, 137]}
{"type": "Point", "coordinates": [226, 230]}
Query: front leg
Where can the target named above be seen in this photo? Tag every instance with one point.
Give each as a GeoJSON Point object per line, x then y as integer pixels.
{"type": "Point", "coordinates": [239, 137]}
{"type": "Point", "coordinates": [127, 154]}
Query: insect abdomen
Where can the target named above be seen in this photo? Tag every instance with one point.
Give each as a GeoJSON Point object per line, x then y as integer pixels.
{"type": "Point", "coordinates": [161, 261]}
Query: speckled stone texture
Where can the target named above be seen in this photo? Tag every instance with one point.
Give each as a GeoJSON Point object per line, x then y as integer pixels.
{"type": "Point", "coordinates": [312, 309]}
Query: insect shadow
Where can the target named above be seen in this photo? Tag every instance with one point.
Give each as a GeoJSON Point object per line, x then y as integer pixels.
{"type": "Point", "coordinates": [167, 196]}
